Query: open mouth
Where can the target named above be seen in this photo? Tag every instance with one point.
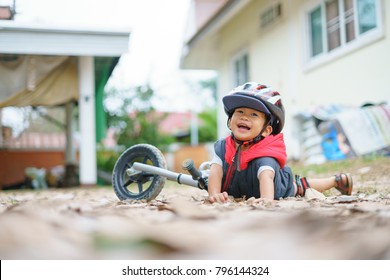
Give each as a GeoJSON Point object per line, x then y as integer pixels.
{"type": "Point", "coordinates": [243, 126]}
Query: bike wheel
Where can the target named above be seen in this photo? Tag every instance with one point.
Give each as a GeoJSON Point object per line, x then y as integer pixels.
{"type": "Point", "coordinates": [142, 185]}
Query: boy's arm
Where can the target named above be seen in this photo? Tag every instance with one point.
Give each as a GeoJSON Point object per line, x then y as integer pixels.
{"type": "Point", "coordinates": [266, 179]}
{"type": "Point", "coordinates": [215, 184]}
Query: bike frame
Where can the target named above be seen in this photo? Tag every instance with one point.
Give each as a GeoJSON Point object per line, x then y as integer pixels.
{"type": "Point", "coordinates": [180, 178]}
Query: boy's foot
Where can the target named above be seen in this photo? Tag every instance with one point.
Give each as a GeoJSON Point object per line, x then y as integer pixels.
{"type": "Point", "coordinates": [302, 185]}
{"type": "Point", "coordinates": [344, 183]}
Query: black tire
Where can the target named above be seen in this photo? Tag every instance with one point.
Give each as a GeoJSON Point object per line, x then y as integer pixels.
{"type": "Point", "coordinates": [143, 185]}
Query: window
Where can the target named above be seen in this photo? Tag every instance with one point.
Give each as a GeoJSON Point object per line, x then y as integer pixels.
{"type": "Point", "coordinates": [367, 15]}
{"type": "Point", "coordinates": [316, 32]}
{"type": "Point", "coordinates": [241, 69]}
{"type": "Point", "coordinates": [333, 24]}
{"type": "Point", "coordinates": [271, 15]}
{"type": "Point", "coordinates": [349, 21]}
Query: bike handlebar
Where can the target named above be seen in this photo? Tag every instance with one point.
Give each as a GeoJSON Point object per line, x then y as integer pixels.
{"type": "Point", "coordinates": [188, 165]}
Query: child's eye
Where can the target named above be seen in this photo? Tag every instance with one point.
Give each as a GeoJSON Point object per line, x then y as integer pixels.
{"type": "Point", "coordinates": [254, 115]}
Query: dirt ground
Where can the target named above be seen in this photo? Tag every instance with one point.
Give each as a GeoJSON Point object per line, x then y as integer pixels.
{"type": "Point", "coordinates": [91, 223]}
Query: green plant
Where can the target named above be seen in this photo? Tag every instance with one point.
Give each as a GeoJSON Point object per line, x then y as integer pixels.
{"type": "Point", "coordinates": [106, 159]}
{"type": "Point", "coordinates": [208, 127]}
{"type": "Point", "coordinates": [136, 120]}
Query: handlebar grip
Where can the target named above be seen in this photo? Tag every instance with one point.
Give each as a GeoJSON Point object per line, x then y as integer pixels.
{"type": "Point", "coordinates": [188, 165]}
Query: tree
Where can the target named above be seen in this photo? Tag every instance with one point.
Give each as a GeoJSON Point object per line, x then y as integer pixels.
{"type": "Point", "coordinates": [135, 120]}
{"type": "Point", "coordinates": [208, 127]}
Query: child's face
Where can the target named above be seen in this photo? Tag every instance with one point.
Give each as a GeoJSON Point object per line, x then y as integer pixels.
{"type": "Point", "coordinates": [247, 123]}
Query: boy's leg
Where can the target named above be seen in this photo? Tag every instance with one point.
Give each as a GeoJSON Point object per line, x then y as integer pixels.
{"type": "Point", "coordinates": [323, 184]}
{"type": "Point", "coordinates": [343, 183]}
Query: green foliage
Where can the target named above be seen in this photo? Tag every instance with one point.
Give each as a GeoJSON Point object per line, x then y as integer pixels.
{"type": "Point", "coordinates": [106, 159]}
{"type": "Point", "coordinates": [208, 127]}
{"type": "Point", "coordinates": [136, 120]}
{"type": "Point", "coordinates": [207, 130]}
{"type": "Point", "coordinates": [143, 128]}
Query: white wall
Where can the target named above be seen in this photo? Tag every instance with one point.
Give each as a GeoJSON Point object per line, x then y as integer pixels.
{"type": "Point", "coordinates": [277, 58]}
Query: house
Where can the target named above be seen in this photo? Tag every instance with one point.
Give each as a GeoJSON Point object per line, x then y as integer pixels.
{"type": "Point", "coordinates": [43, 65]}
{"type": "Point", "coordinates": [312, 51]}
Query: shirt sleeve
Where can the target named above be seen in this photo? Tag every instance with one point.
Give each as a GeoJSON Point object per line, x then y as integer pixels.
{"type": "Point", "coordinates": [267, 163]}
{"type": "Point", "coordinates": [216, 160]}
{"type": "Point", "coordinates": [218, 152]}
{"type": "Point", "coordinates": [264, 167]}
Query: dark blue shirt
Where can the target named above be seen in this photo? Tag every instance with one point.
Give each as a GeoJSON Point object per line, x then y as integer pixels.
{"type": "Point", "coordinates": [245, 183]}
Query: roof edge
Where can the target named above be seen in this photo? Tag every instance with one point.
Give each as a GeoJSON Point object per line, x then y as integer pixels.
{"type": "Point", "coordinates": [24, 26]}
{"type": "Point", "coordinates": [218, 19]}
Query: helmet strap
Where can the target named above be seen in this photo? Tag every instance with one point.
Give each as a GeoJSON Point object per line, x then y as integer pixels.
{"type": "Point", "coordinates": [258, 138]}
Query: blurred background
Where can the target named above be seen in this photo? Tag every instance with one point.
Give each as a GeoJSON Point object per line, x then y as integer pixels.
{"type": "Point", "coordinates": [80, 81]}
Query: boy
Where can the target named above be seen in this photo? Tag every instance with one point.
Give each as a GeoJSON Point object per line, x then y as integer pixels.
{"type": "Point", "coordinates": [251, 161]}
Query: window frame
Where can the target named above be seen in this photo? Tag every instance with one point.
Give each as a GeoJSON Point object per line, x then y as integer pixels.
{"type": "Point", "coordinates": [239, 58]}
{"type": "Point", "coordinates": [360, 40]}
{"type": "Point", "coordinates": [271, 15]}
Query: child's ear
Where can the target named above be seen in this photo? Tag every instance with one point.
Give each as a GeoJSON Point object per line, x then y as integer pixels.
{"type": "Point", "coordinates": [267, 131]}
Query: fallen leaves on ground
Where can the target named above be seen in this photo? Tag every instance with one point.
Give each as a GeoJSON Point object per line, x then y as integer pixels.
{"type": "Point", "coordinates": [91, 223]}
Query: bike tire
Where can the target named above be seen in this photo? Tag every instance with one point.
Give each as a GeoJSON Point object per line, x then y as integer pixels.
{"type": "Point", "coordinates": [142, 186]}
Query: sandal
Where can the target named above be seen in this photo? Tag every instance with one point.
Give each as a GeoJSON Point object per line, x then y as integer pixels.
{"type": "Point", "coordinates": [302, 185]}
{"type": "Point", "coordinates": [346, 187]}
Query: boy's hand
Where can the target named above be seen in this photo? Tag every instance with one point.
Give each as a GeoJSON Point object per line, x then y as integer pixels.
{"type": "Point", "coordinates": [218, 197]}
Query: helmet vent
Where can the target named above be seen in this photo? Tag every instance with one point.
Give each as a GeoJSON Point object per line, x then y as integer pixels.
{"type": "Point", "coordinates": [260, 87]}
